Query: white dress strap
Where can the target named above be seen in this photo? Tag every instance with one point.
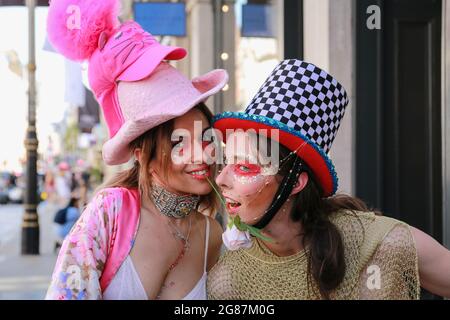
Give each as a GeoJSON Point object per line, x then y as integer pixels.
{"type": "Point", "coordinates": [206, 244]}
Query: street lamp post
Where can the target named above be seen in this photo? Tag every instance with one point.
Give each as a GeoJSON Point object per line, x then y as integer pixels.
{"type": "Point", "coordinates": [30, 225]}
{"type": "Point", "coordinates": [218, 49]}
{"type": "Point", "coordinates": [218, 63]}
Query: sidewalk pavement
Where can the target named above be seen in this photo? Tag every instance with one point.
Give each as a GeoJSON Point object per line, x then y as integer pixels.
{"type": "Point", "coordinates": [27, 277]}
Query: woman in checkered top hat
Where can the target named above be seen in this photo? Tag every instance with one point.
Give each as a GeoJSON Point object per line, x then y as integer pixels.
{"type": "Point", "coordinates": [289, 236]}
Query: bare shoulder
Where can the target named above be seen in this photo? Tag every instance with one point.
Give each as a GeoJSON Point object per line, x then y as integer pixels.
{"type": "Point", "coordinates": [427, 247]}
{"type": "Point", "coordinates": [215, 242]}
{"type": "Point", "coordinates": [215, 230]}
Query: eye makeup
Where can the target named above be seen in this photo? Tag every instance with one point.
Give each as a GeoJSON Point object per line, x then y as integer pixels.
{"type": "Point", "coordinates": [178, 148]}
{"type": "Point", "coordinates": [245, 173]}
{"type": "Point", "coordinates": [246, 169]}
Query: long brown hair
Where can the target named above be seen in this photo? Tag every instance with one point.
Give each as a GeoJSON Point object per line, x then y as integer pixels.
{"type": "Point", "coordinates": [326, 258]}
{"type": "Point", "coordinates": [156, 145]}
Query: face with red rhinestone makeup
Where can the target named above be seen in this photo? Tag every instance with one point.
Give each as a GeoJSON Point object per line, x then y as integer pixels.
{"type": "Point", "coordinates": [189, 173]}
{"type": "Point", "coordinates": [178, 163]}
{"type": "Point", "coordinates": [247, 186]}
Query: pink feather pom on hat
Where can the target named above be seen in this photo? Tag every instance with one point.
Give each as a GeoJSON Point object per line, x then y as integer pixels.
{"type": "Point", "coordinates": [74, 26]}
{"type": "Point", "coordinates": [135, 88]}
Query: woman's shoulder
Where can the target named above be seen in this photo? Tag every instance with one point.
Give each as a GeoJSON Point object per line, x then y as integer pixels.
{"type": "Point", "coordinates": [215, 226]}
{"type": "Point", "coordinates": [345, 219]}
{"type": "Point", "coordinates": [107, 202]}
{"type": "Point", "coordinates": [215, 233]}
{"type": "Point", "coordinates": [114, 195]}
{"type": "Point", "coordinates": [215, 241]}
{"type": "Point", "coordinates": [365, 233]}
{"type": "Point", "coordinates": [215, 229]}
{"type": "Point", "coordinates": [365, 227]}
{"type": "Point", "coordinates": [111, 192]}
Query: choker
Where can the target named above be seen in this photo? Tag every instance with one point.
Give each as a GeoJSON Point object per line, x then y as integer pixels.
{"type": "Point", "coordinates": [171, 204]}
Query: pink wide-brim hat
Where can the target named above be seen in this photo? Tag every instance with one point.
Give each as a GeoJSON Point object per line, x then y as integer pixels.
{"type": "Point", "coordinates": [164, 95]}
{"type": "Point", "coordinates": [134, 87]}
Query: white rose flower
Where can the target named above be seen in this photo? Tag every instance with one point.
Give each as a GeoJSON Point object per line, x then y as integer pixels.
{"type": "Point", "coordinates": [235, 239]}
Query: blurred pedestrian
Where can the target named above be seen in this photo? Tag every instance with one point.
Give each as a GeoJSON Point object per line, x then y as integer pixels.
{"type": "Point", "coordinates": [49, 185]}
{"type": "Point", "coordinates": [65, 219]}
{"type": "Point", "coordinates": [62, 184]}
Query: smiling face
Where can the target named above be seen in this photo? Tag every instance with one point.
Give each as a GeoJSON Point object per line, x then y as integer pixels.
{"type": "Point", "coordinates": [159, 156]}
{"type": "Point", "coordinates": [247, 186]}
{"type": "Point", "coordinates": [187, 172]}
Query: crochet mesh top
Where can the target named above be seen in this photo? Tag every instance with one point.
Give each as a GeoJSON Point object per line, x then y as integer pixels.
{"type": "Point", "coordinates": [380, 255]}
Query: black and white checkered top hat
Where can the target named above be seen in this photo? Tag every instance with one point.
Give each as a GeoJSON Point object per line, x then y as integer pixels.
{"type": "Point", "coordinates": [306, 105]}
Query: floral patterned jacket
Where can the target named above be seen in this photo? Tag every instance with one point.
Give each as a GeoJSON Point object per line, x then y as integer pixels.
{"type": "Point", "coordinates": [96, 246]}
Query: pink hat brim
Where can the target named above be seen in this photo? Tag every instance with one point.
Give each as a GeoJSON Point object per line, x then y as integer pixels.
{"type": "Point", "coordinates": [149, 60]}
{"type": "Point", "coordinates": [116, 150]}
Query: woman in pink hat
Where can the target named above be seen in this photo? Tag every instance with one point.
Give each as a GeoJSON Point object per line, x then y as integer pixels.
{"type": "Point", "coordinates": [289, 235]}
{"type": "Point", "coordinates": [141, 236]}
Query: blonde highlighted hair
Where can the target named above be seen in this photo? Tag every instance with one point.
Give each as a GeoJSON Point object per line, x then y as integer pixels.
{"type": "Point", "coordinates": [155, 144]}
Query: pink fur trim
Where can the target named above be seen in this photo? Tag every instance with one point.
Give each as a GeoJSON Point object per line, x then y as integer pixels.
{"type": "Point", "coordinates": [74, 26]}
